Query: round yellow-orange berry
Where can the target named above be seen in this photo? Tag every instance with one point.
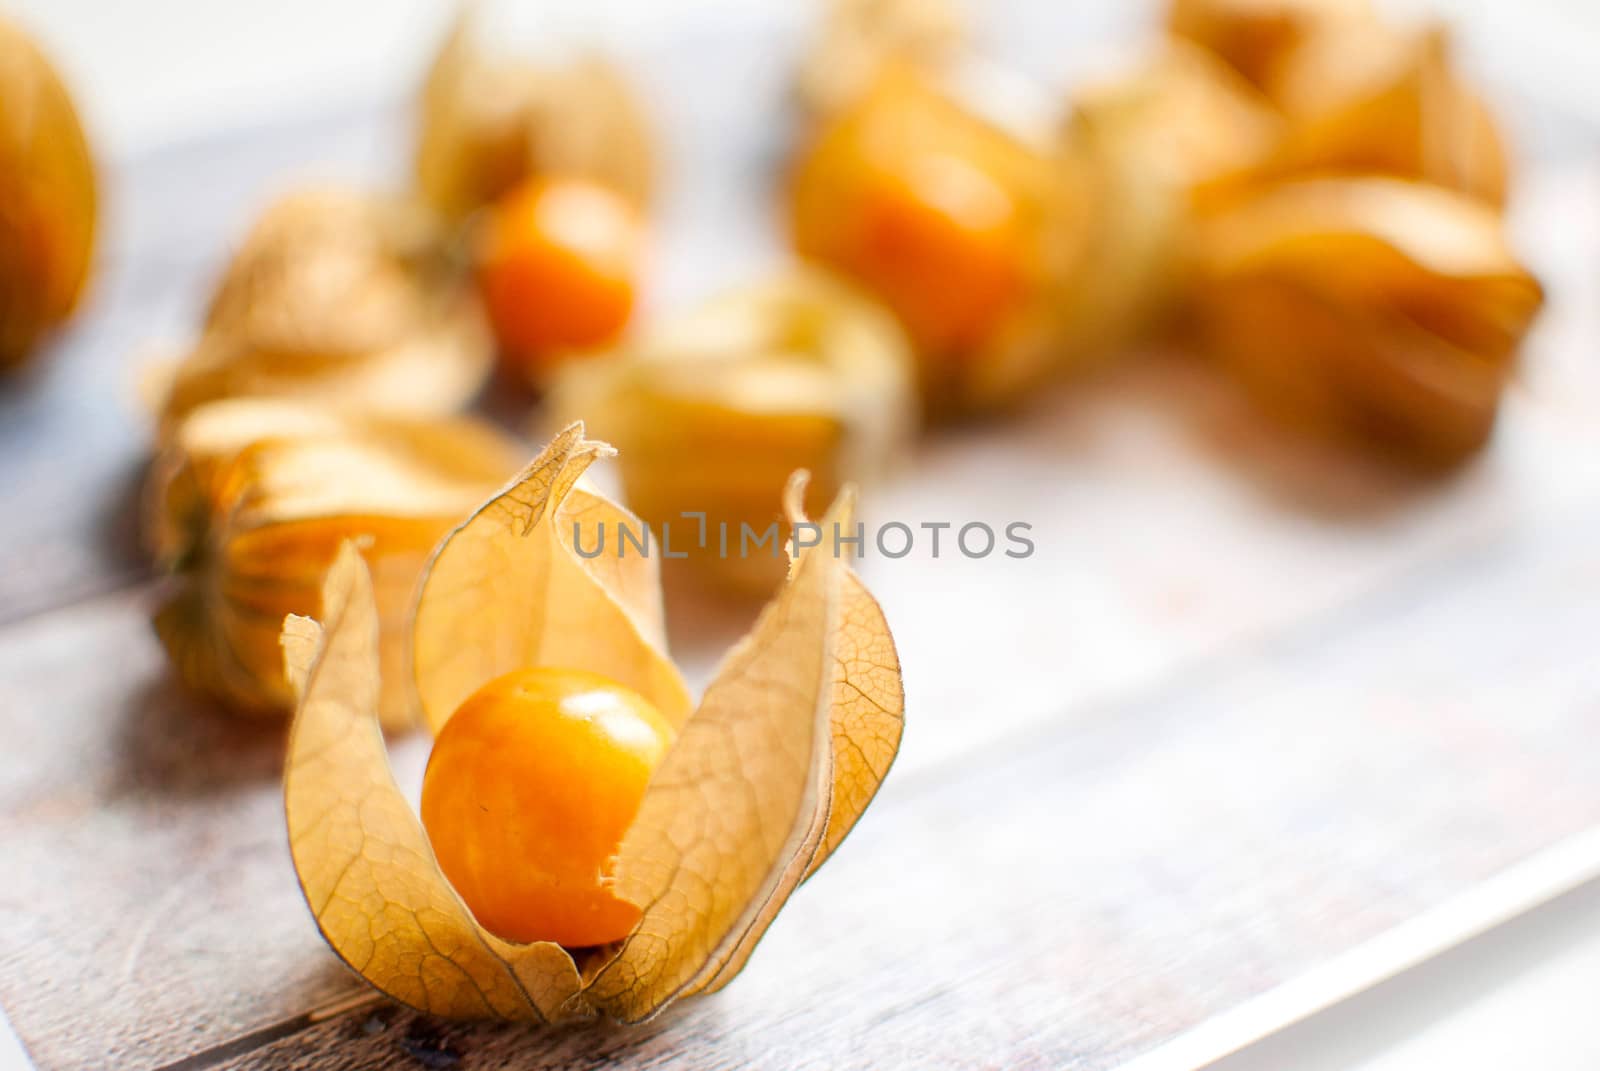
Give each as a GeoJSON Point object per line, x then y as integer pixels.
{"type": "Point", "coordinates": [531, 785]}
{"type": "Point", "coordinates": [557, 266]}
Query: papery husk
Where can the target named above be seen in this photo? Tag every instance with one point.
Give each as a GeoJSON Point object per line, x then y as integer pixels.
{"type": "Point", "coordinates": [1253, 36]}
{"type": "Point", "coordinates": [489, 122]}
{"type": "Point", "coordinates": [748, 801]}
{"type": "Point", "coordinates": [1144, 142]}
{"type": "Point", "coordinates": [1378, 312]}
{"type": "Point", "coordinates": [1365, 98]}
{"type": "Point", "coordinates": [47, 198]}
{"type": "Point", "coordinates": [346, 299]}
{"type": "Point", "coordinates": [904, 123]}
{"type": "Point", "coordinates": [714, 409]}
{"type": "Point", "coordinates": [858, 38]}
{"type": "Point", "coordinates": [249, 502]}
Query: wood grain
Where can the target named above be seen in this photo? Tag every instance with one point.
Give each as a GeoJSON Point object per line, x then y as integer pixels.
{"type": "Point", "coordinates": [1245, 708]}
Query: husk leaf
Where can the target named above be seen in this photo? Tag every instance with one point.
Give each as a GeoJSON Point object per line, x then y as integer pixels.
{"type": "Point", "coordinates": [746, 803]}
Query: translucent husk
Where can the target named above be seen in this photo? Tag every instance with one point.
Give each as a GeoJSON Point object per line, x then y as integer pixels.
{"type": "Point", "coordinates": [858, 38]}
{"type": "Point", "coordinates": [1367, 98]}
{"type": "Point", "coordinates": [767, 775]}
{"type": "Point", "coordinates": [47, 198]}
{"type": "Point", "coordinates": [1378, 312]}
{"type": "Point", "coordinates": [714, 409]}
{"type": "Point", "coordinates": [347, 299]}
{"type": "Point", "coordinates": [1253, 36]}
{"type": "Point", "coordinates": [1144, 142]}
{"type": "Point", "coordinates": [488, 122]}
{"type": "Point", "coordinates": [249, 502]}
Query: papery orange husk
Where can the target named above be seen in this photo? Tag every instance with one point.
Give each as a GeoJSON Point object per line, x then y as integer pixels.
{"type": "Point", "coordinates": [714, 408]}
{"type": "Point", "coordinates": [249, 502]}
{"type": "Point", "coordinates": [345, 298]}
{"type": "Point", "coordinates": [1381, 313]}
{"type": "Point", "coordinates": [768, 772]}
{"type": "Point", "coordinates": [488, 121]}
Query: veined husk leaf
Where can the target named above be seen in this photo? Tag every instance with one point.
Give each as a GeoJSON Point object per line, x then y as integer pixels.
{"type": "Point", "coordinates": [912, 131]}
{"type": "Point", "coordinates": [488, 122]}
{"type": "Point", "coordinates": [347, 299]}
{"type": "Point", "coordinates": [747, 802]}
{"type": "Point", "coordinates": [1382, 312]}
{"type": "Point", "coordinates": [1253, 36]}
{"type": "Point", "coordinates": [47, 198]}
{"type": "Point", "coordinates": [857, 38]}
{"type": "Point", "coordinates": [248, 503]}
{"type": "Point", "coordinates": [1365, 98]}
{"type": "Point", "coordinates": [714, 409]}
{"type": "Point", "coordinates": [1144, 142]}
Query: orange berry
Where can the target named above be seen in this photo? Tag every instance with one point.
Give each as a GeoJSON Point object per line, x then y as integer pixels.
{"type": "Point", "coordinates": [557, 267]}
{"type": "Point", "coordinates": [929, 207]}
{"type": "Point", "coordinates": [530, 788]}
{"type": "Point", "coordinates": [939, 242]}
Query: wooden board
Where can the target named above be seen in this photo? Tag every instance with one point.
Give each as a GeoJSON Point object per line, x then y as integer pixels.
{"type": "Point", "coordinates": [1244, 711]}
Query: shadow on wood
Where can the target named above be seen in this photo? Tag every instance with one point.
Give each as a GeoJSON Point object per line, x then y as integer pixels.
{"type": "Point", "coordinates": [174, 743]}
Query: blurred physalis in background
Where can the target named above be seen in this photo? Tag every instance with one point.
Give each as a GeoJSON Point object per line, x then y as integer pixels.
{"type": "Point", "coordinates": [558, 264]}
{"type": "Point", "coordinates": [47, 198]}
{"type": "Point", "coordinates": [1253, 36]}
{"type": "Point", "coordinates": [1382, 312]}
{"type": "Point", "coordinates": [713, 411]}
{"type": "Point", "coordinates": [1143, 141]}
{"type": "Point", "coordinates": [858, 38]}
{"type": "Point", "coordinates": [1365, 97]}
{"type": "Point", "coordinates": [548, 166]}
{"type": "Point", "coordinates": [963, 227]}
{"type": "Point", "coordinates": [248, 504]}
{"type": "Point", "coordinates": [1356, 280]}
{"type": "Point", "coordinates": [352, 299]}
{"type": "Point", "coordinates": [488, 122]}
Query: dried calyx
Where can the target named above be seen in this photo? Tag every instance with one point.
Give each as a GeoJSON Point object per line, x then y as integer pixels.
{"type": "Point", "coordinates": [489, 122]}
{"type": "Point", "coordinates": [780, 758]}
{"type": "Point", "coordinates": [1381, 312]}
{"type": "Point", "coordinates": [249, 501]}
{"type": "Point", "coordinates": [353, 300]}
{"type": "Point", "coordinates": [715, 408]}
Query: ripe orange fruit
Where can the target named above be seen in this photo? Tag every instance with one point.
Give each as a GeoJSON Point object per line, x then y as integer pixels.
{"type": "Point", "coordinates": [531, 785]}
{"type": "Point", "coordinates": [557, 267]}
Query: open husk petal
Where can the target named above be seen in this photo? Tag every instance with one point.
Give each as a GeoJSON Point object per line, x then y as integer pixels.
{"type": "Point", "coordinates": [749, 800]}
{"type": "Point", "coordinates": [508, 589]}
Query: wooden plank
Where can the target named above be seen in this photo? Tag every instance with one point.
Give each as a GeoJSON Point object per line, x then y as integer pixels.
{"type": "Point", "coordinates": [1117, 881]}
{"type": "Point", "coordinates": [1198, 846]}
